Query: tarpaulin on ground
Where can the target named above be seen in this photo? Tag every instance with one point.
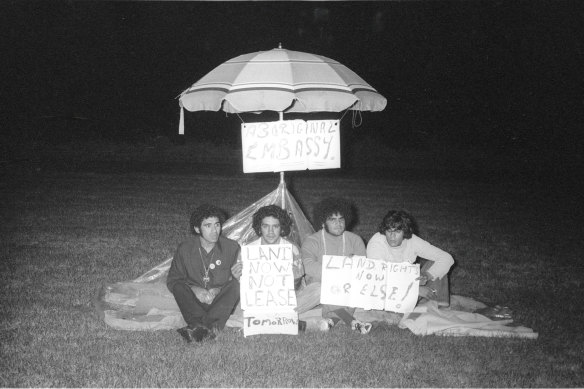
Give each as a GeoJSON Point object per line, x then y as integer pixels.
{"type": "Point", "coordinates": [460, 319]}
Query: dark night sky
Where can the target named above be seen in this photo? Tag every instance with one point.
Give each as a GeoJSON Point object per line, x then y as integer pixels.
{"type": "Point", "coordinates": [499, 73]}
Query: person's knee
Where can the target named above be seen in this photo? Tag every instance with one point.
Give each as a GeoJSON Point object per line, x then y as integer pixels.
{"type": "Point", "coordinates": [229, 292]}
{"type": "Point", "coordinates": [231, 287]}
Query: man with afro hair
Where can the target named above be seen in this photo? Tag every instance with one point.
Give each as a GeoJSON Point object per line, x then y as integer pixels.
{"type": "Point", "coordinates": [333, 215]}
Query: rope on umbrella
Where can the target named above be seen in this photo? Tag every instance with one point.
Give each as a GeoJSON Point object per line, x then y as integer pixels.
{"type": "Point", "coordinates": [346, 110]}
{"type": "Point", "coordinates": [357, 119]}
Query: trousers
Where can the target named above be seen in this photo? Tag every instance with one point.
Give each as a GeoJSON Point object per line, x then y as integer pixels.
{"type": "Point", "coordinates": [440, 285]}
{"type": "Point", "coordinates": [212, 316]}
{"type": "Point", "coordinates": [308, 297]}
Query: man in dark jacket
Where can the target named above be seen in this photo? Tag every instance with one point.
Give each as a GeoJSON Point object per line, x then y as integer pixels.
{"type": "Point", "coordinates": [200, 276]}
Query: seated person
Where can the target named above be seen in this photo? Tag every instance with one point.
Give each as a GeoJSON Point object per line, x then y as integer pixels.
{"type": "Point", "coordinates": [395, 241]}
{"type": "Point", "coordinates": [271, 223]}
{"type": "Point", "coordinates": [333, 215]}
{"type": "Point", "coordinates": [200, 276]}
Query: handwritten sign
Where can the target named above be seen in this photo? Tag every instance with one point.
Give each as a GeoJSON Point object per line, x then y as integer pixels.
{"type": "Point", "coordinates": [267, 290]}
{"type": "Point", "coordinates": [290, 145]}
{"type": "Point", "coordinates": [368, 283]}
{"type": "Point", "coordinates": [402, 286]}
{"type": "Point", "coordinates": [262, 322]}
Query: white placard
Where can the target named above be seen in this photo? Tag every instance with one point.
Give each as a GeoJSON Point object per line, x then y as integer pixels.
{"type": "Point", "coordinates": [402, 286]}
{"type": "Point", "coordinates": [262, 322]}
{"type": "Point", "coordinates": [287, 145]}
{"type": "Point", "coordinates": [267, 291]}
{"type": "Point", "coordinates": [369, 283]}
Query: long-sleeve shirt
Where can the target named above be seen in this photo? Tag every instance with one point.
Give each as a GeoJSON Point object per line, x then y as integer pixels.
{"type": "Point", "coordinates": [322, 243]}
{"type": "Point", "coordinates": [190, 262]}
{"type": "Point", "coordinates": [408, 251]}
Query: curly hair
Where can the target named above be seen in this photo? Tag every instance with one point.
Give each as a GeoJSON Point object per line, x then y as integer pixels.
{"type": "Point", "coordinates": [331, 206]}
{"type": "Point", "coordinates": [203, 212]}
{"type": "Point", "coordinates": [398, 220]}
{"type": "Point", "coordinates": [275, 212]}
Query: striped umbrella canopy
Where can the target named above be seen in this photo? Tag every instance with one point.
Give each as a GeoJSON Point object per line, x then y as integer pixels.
{"type": "Point", "coordinates": [283, 81]}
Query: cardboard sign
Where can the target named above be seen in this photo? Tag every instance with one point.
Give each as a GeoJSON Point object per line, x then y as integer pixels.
{"type": "Point", "coordinates": [267, 291]}
{"type": "Point", "coordinates": [402, 286]}
{"type": "Point", "coordinates": [287, 145]}
{"type": "Point", "coordinates": [262, 322]}
{"type": "Point", "coordinates": [362, 282]}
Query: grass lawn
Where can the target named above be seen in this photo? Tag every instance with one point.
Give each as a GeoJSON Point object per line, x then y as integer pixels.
{"type": "Point", "coordinates": [65, 232]}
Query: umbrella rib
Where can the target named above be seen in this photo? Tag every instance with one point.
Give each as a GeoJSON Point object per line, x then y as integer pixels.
{"type": "Point", "coordinates": [265, 61]}
{"type": "Point", "coordinates": [292, 90]}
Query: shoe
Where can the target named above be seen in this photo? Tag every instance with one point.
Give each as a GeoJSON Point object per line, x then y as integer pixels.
{"type": "Point", "coordinates": [201, 333]}
{"type": "Point", "coordinates": [301, 326]}
{"type": "Point", "coordinates": [196, 334]}
{"type": "Point", "coordinates": [363, 328]}
{"type": "Point", "coordinates": [326, 324]}
{"type": "Point", "coordinates": [186, 333]}
{"type": "Point", "coordinates": [212, 335]}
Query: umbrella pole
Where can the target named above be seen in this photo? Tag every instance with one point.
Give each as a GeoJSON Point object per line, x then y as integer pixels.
{"type": "Point", "coordinates": [281, 116]}
{"type": "Point", "coordinates": [282, 182]}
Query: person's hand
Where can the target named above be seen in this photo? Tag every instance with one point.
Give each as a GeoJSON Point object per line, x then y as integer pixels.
{"type": "Point", "coordinates": [297, 269]}
{"type": "Point", "coordinates": [423, 279]}
{"type": "Point", "coordinates": [237, 269]}
{"type": "Point", "coordinates": [428, 293]}
{"type": "Point", "coordinates": [213, 293]}
{"type": "Point", "coordinates": [202, 294]}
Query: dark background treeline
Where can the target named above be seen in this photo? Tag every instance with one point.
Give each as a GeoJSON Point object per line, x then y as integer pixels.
{"type": "Point", "coordinates": [498, 76]}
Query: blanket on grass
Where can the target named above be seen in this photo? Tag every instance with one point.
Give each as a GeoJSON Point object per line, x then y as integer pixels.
{"type": "Point", "coordinates": [428, 319]}
{"type": "Point", "coordinates": [151, 307]}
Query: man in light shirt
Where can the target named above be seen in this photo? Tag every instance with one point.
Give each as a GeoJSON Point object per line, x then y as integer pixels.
{"type": "Point", "coordinates": [396, 241]}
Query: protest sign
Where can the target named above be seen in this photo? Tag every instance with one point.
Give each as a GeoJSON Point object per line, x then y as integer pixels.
{"type": "Point", "coordinates": [287, 145]}
{"type": "Point", "coordinates": [353, 281]}
{"type": "Point", "coordinates": [267, 290]}
{"type": "Point", "coordinates": [402, 286]}
{"type": "Point", "coordinates": [262, 322]}
{"type": "Point", "coordinates": [368, 283]}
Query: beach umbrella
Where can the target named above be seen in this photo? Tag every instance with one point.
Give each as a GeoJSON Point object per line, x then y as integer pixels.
{"type": "Point", "coordinates": [283, 81]}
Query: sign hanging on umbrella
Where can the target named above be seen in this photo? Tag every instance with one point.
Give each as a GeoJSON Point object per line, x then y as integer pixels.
{"type": "Point", "coordinates": [287, 145]}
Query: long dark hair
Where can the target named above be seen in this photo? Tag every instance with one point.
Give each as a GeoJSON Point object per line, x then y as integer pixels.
{"type": "Point", "coordinates": [275, 212]}
{"type": "Point", "coordinates": [398, 220]}
{"type": "Point", "coordinates": [203, 212]}
{"type": "Point", "coordinates": [331, 206]}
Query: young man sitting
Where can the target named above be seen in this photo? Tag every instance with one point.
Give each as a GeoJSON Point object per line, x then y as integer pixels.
{"type": "Point", "coordinates": [200, 276]}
